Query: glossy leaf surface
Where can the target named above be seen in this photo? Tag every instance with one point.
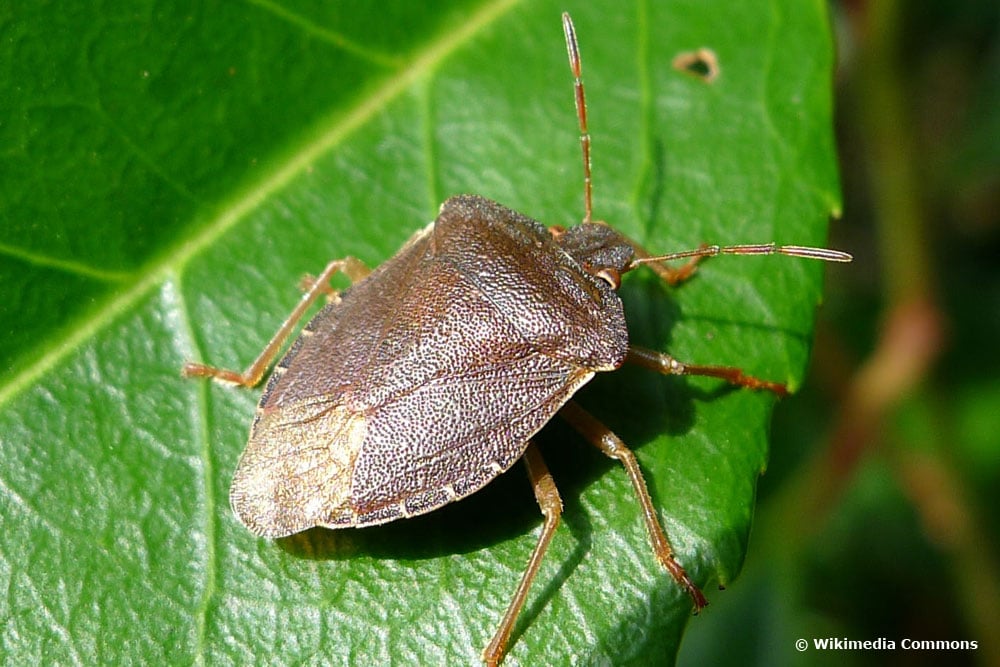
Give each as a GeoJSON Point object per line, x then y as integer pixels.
{"type": "Point", "coordinates": [171, 172]}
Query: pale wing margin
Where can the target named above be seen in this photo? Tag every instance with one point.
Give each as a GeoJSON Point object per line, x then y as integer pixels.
{"type": "Point", "coordinates": [297, 470]}
{"type": "Point", "coordinates": [314, 463]}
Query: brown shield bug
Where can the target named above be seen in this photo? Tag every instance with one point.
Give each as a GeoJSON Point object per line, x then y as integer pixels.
{"type": "Point", "coordinates": [428, 377]}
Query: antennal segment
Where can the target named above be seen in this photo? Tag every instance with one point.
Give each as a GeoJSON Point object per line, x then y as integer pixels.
{"type": "Point", "coordinates": [573, 50]}
{"type": "Point", "coordinates": [824, 254]}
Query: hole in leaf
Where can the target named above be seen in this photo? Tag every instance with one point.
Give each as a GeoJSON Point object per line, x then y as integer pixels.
{"type": "Point", "coordinates": [702, 63]}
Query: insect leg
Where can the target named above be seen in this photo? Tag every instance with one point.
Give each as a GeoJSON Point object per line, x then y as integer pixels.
{"type": "Point", "coordinates": [353, 268]}
{"type": "Point", "coordinates": [664, 363]}
{"type": "Point", "coordinates": [309, 281]}
{"type": "Point", "coordinates": [550, 503]}
{"type": "Point", "coordinates": [604, 439]}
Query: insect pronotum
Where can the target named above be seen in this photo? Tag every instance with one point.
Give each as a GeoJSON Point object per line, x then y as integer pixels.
{"type": "Point", "coordinates": [427, 377]}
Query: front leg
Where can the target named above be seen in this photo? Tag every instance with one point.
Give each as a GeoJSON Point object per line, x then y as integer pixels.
{"type": "Point", "coordinates": [664, 363]}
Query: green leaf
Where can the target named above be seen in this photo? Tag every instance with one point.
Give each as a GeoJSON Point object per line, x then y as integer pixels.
{"type": "Point", "coordinates": [170, 172]}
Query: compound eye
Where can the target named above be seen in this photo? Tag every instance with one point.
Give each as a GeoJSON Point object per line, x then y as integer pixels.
{"type": "Point", "coordinates": [611, 276]}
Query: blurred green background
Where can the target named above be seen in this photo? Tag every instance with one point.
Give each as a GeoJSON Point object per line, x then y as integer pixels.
{"type": "Point", "coordinates": [879, 515]}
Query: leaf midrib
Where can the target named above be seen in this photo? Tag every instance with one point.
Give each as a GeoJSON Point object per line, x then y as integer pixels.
{"type": "Point", "coordinates": [328, 134]}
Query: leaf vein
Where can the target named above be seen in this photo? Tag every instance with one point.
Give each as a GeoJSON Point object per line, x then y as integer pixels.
{"type": "Point", "coordinates": [336, 39]}
{"type": "Point", "coordinates": [65, 265]}
{"type": "Point", "coordinates": [330, 133]}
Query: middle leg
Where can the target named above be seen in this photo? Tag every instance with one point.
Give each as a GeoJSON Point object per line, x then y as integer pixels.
{"type": "Point", "coordinates": [604, 439]}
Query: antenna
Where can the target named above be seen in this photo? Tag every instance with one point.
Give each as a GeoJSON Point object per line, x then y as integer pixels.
{"type": "Point", "coordinates": [575, 65]}
{"type": "Point", "coordinates": [573, 50]}
{"type": "Point", "coordinates": [808, 252]}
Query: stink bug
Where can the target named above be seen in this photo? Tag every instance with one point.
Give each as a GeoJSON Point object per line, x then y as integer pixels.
{"type": "Point", "coordinates": [427, 377]}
